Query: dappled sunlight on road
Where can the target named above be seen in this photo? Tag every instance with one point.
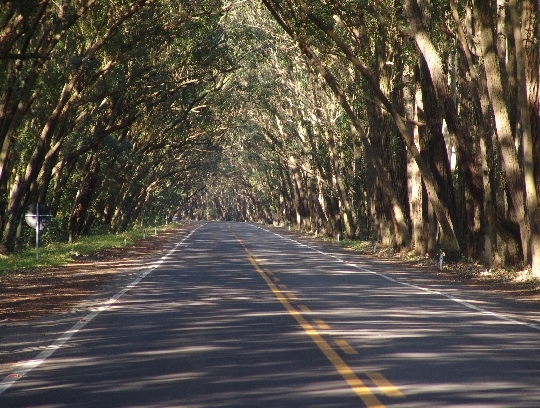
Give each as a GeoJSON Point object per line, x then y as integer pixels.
{"type": "Point", "coordinates": [206, 330]}
{"type": "Point", "coordinates": [410, 333]}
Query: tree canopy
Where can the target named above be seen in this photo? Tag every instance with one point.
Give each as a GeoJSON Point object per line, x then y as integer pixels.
{"type": "Point", "coordinates": [413, 123]}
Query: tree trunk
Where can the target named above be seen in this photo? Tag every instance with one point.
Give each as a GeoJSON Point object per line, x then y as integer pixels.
{"type": "Point", "coordinates": [448, 237]}
{"type": "Point", "coordinates": [532, 204]}
{"type": "Point", "coordinates": [459, 133]}
{"type": "Point", "coordinates": [340, 185]}
{"type": "Point", "coordinates": [402, 232]}
{"type": "Point", "coordinates": [478, 92]}
{"type": "Point", "coordinates": [84, 196]}
{"type": "Point", "coordinates": [413, 173]}
{"type": "Point", "coordinates": [17, 195]}
{"type": "Point", "coordinates": [531, 33]}
{"type": "Point", "coordinates": [434, 147]}
{"type": "Point", "coordinates": [505, 137]}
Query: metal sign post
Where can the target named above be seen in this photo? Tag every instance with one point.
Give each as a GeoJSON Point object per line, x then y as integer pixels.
{"type": "Point", "coordinates": [38, 217]}
{"type": "Point", "coordinates": [37, 231]}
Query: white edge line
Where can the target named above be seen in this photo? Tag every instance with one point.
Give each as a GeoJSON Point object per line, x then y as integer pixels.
{"type": "Point", "coordinates": [25, 367]}
{"type": "Point", "coordinates": [431, 291]}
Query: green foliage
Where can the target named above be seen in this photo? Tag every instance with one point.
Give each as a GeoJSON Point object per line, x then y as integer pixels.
{"type": "Point", "coordinates": [210, 107]}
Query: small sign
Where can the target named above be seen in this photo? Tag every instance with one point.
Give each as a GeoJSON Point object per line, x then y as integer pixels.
{"type": "Point", "coordinates": [38, 214]}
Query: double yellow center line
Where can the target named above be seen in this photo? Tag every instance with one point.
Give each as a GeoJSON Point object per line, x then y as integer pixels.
{"type": "Point", "coordinates": [346, 372]}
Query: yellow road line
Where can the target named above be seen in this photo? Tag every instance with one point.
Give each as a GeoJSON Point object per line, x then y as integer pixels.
{"type": "Point", "coordinates": [350, 377]}
{"type": "Point", "coordinates": [384, 385]}
{"type": "Point", "coordinates": [345, 346]}
{"type": "Point", "coordinates": [292, 297]}
{"type": "Point", "coordinates": [322, 325]}
{"type": "Point", "coordinates": [283, 287]}
{"type": "Point", "coordinates": [304, 309]}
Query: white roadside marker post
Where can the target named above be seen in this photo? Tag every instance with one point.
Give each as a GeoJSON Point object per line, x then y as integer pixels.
{"type": "Point", "coordinates": [441, 256]}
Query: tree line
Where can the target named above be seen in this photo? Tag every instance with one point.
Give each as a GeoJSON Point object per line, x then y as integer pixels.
{"type": "Point", "coordinates": [412, 123]}
{"type": "Point", "coordinates": [105, 110]}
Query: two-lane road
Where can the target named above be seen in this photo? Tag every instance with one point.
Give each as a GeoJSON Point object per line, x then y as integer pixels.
{"type": "Point", "coordinates": [238, 316]}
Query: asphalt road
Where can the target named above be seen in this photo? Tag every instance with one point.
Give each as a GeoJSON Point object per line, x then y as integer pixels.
{"type": "Point", "coordinates": [238, 316]}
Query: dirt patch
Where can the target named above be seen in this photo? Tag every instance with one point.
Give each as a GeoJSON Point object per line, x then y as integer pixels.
{"type": "Point", "coordinates": [513, 283]}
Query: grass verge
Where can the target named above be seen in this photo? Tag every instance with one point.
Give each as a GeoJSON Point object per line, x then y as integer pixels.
{"type": "Point", "coordinates": [60, 253]}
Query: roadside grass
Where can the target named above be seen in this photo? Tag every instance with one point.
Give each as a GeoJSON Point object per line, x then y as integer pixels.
{"type": "Point", "coordinates": [60, 253]}
{"type": "Point", "coordinates": [361, 246]}
{"type": "Point", "coordinates": [356, 245]}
